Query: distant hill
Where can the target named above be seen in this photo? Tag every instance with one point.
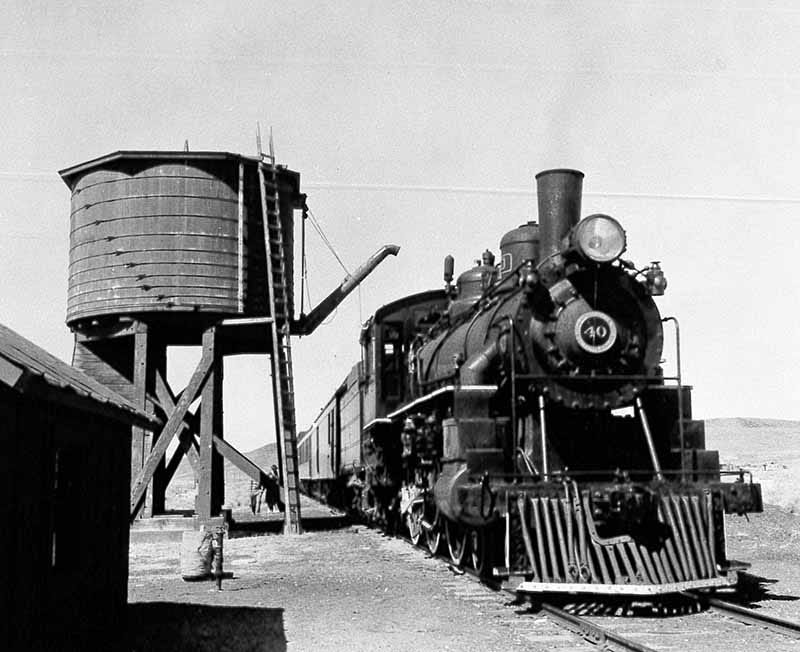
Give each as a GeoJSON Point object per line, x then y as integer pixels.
{"type": "Point", "coordinates": [754, 422]}
{"type": "Point", "coordinates": [767, 448]}
{"type": "Point", "coordinates": [752, 439]}
{"type": "Point", "coordinates": [181, 491]}
{"type": "Point", "coordinates": [265, 456]}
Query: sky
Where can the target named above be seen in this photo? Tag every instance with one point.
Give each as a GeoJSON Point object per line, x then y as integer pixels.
{"type": "Point", "coordinates": [423, 124]}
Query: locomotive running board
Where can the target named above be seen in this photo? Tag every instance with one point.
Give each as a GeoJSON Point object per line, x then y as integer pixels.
{"type": "Point", "coordinates": [624, 589]}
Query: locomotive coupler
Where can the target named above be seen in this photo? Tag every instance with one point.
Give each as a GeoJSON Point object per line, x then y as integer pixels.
{"type": "Point", "coordinates": [621, 509]}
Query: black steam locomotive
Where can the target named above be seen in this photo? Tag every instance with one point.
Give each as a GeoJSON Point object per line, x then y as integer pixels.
{"type": "Point", "coordinates": [522, 421]}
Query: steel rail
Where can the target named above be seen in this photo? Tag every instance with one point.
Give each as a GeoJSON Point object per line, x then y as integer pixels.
{"type": "Point", "coordinates": [606, 639]}
{"type": "Point", "coordinates": [594, 634]}
{"type": "Point", "coordinates": [748, 616]}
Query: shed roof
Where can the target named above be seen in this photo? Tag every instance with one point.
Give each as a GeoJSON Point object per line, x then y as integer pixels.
{"type": "Point", "coordinates": [30, 369]}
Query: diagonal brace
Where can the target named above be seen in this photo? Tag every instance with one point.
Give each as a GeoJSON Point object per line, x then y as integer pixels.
{"type": "Point", "coordinates": [189, 447]}
{"type": "Point", "coordinates": [243, 463]}
{"type": "Point", "coordinates": [186, 431]}
{"type": "Point", "coordinates": [174, 423]}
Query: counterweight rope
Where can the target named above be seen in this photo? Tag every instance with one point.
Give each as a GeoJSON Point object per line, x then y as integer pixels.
{"type": "Point", "coordinates": [327, 242]}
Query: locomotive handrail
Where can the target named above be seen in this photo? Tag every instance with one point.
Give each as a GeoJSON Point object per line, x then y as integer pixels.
{"type": "Point", "coordinates": [580, 377]}
{"type": "Point", "coordinates": [589, 377]}
{"type": "Point", "coordinates": [739, 472]}
{"type": "Point", "coordinates": [681, 433]}
{"type": "Point", "coordinates": [566, 476]}
{"type": "Point", "coordinates": [513, 362]}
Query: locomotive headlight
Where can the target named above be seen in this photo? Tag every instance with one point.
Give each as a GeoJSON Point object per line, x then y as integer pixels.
{"type": "Point", "coordinates": [599, 238]}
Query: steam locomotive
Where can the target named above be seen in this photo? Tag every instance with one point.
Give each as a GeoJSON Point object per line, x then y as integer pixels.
{"type": "Point", "coordinates": [520, 420]}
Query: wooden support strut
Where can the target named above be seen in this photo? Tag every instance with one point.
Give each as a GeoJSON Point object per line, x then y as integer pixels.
{"type": "Point", "coordinates": [210, 477]}
{"type": "Point", "coordinates": [240, 461]}
{"type": "Point", "coordinates": [188, 427]}
{"type": "Point", "coordinates": [175, 421]}
{"type": "Point", "coordinates": [187, 447]}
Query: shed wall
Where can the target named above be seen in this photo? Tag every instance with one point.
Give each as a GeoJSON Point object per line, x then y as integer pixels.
{"type": "Point", "coordinates": [66, 480]}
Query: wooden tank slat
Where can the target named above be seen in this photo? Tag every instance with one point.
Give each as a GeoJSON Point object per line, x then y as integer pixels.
{"type": "Point", "coordinates": [140, 223]}
{"type": "Point", "coordinates": [169, 304]}
{"type": "Point", "coordinates": [110, 210]}
{"type": "Point", "coordinates": [157, 293]}
{"type": "Point", "coordinates": [164, 256]}
{"type": "Point", "coordinates": [100, 176]}
{"type": "Point", "coordinates": [189, 287]}
{"type": "Point", "coordinates": [164, 293]}
{"type": "Point", "coordinates": [153, 185]}
{"type": "Point", "coordinates": [225, 244]}
{"type": "Point", "coordinates": [216, 276]}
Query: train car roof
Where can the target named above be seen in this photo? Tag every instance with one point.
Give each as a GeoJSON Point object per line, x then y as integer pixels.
{"type": "Point", "coordinates": [340, 389]}
{"type": "Point", "coordinates": [410, 300]}
{"type": "Point", "coordinates": [29, 369]}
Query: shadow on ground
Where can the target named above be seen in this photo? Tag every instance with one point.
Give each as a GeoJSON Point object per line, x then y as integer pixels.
{"type": "Point", "coordinates": [753, 589]}
{"type": "Point", "coordinates": [174, 627]}
{"type": "Point", "coordinates": [245, 526]}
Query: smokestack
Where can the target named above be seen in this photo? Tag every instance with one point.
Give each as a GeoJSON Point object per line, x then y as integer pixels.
{"type": "Point", "coordinates": [559, 195]}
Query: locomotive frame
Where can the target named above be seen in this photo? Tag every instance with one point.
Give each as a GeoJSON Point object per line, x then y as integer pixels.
{"type": "Point", "coordinates": [522, 421]}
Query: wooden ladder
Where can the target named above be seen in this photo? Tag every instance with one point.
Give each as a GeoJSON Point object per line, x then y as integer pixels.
{"type": "Point", "coordinates": [282, 380]}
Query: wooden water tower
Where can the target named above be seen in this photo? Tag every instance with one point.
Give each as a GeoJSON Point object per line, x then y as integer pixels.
{"type": "Point", "coordinates": [189, 248]}
{"type": "Point", "coordinates": [184, 248]}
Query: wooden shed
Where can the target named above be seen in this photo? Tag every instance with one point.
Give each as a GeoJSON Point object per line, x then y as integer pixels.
{"type": "Point", "coordinates": [65, 474]}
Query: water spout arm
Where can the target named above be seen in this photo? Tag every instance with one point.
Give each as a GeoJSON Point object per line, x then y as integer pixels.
{"type": "Point", "coordinates": [308, 323]}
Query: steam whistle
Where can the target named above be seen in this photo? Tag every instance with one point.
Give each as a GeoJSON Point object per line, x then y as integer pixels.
{"type": "Point", "coordinates": [449, 265]}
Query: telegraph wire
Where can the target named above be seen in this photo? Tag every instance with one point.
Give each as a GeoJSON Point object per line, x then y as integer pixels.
{"type": "Point", "coordinates": [453, 190]}
{"type": "Point", "coordinates": [527, 192]}
{"type": "Point", "coordinates": [471, 190]}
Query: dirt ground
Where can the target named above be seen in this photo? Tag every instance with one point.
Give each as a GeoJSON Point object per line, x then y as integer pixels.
{"type": "Point", "coordinates": [348, 589]}
{"type": "Point", "coordinates": [771, 543]}
{"type": "Point", "coordinates": [353, 589]}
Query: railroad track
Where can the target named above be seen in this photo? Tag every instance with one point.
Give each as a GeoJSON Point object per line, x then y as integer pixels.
{"type": "Point", "coordinates": [692, 623]}
{"type": "Point", "coordinates": [749, 616]}
{"type": "Point", "coordinates": [591, 632]}
{"type": "Point", "coordinates": [684, 622]}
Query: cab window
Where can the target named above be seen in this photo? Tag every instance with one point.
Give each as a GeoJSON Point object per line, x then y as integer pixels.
{"type": "Point", "coordinates": [392, 361]}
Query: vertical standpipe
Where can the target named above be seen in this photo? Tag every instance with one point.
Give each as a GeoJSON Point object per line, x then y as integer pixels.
{"type": "Point", "coordinates": [559, 197]}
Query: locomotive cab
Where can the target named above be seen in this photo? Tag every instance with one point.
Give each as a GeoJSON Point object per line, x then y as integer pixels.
{"type": "Point", "coordinates": [386, 340]}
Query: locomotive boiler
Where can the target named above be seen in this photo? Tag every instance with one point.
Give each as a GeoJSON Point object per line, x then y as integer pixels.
{"type": "Point", "coordinates": [521, 418]}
